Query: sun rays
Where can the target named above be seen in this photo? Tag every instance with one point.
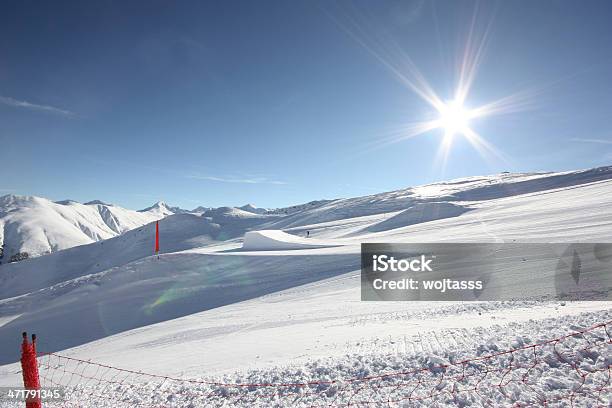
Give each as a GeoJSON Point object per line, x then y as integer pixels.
{"type": "Point", "coordinates": [450, 118]}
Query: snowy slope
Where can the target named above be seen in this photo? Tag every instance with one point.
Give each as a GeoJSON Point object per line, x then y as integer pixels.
{"type": "Point", "coordinates": [177, 233]}
{"type": "Point", "coordinates": [38, 226]}
{"type": "Point", "coordinates": [276, 309]}
{"type": "Point", "coordinates": [467, 189]}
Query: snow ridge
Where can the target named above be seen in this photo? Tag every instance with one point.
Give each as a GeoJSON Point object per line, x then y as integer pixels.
{"type": "Point", "coordinates": [36, 226]}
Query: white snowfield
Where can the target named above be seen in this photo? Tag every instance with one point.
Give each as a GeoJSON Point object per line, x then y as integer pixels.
{"type": "Point", "coordinates": [243, 297]}
{"type": "Point", "coordinates": [38, 226]}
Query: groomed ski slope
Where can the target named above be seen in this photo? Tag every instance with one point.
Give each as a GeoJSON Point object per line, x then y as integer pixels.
{"type": "Point", "coordinates": [281, 311]}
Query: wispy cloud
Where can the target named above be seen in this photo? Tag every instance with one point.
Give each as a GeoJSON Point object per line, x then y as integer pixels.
{"type": "Point", "coordinates": [196, 174]}
{"type": "Point", "coordinates": [33, 106]}
{"type": "Point", "coordinates": [599, 141]}
{"type": "Point", "coordinates": [240, 180]}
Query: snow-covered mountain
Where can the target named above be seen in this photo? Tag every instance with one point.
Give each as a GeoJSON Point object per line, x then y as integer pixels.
{"type": "Point", "coordinates": [252, 209]}
{"type": "Point", "coordinates": [33, 226]}
{"type": "Point", "coordinates": [200, 209]}
{"type": "Point", "coordinates": [37, 226]}
{"type": "Point", "coordinates": [235, 291]}
{"type": "Point", "coordinates": [161, 209]}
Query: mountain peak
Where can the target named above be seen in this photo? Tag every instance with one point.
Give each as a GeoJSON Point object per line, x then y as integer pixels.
{"type": "Point", "coordinates": [97, 202]}
{"type": "Point", "coordinates": [201, 209]}
{"type": "Point", "coordinates": [14, 197]}
{"type": "Point", "coordinates": [67, 202]}
{"type": "Point", "coordinates": [252, 209]}
{"type": "Point", "coordinates": [160, 205]}
{"type": "Point", "coordinates": [162, 209]}
{"type": "Point", "coordinates": [14, 200]}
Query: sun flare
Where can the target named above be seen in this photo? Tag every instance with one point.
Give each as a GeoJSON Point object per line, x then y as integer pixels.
{"type": "Point", "coordinates": [454, 118]}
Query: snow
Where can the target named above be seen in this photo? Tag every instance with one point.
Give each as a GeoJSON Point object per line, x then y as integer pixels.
{"type": "Point", "coordinates": [252, 209]}
{"type": "Point", "coordinates": [39, 226]}
{"type": "Point", "coordinates": [419, 213]}
{"type": "Point", "coordinates": [160, 209]}
{"type": "Point", "coordinates": [243, 297]}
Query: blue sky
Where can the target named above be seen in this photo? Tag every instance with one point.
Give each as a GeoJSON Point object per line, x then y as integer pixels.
{"type": "Point", "coordinates": [278, 103]}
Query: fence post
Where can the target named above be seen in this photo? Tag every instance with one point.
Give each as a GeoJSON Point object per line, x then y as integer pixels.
{"type": "Point", "coordinates": [29, 368]}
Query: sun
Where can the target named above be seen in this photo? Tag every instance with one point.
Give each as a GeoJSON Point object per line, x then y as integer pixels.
{"type": "Point", "coordinates": [454, 118]}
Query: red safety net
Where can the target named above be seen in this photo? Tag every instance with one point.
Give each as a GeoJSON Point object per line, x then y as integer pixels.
{"type": "Point", "coordinates": [572, 370]}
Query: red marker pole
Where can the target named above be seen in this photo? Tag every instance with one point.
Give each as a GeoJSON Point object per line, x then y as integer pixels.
{"type": "Point", "coordinates": [29, 368]}
{"type": "Point", "coordinates": [157, 239]}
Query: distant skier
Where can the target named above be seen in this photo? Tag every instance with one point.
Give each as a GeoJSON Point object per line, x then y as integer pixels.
{"type": "Point", "coordinates": [307, 234]}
